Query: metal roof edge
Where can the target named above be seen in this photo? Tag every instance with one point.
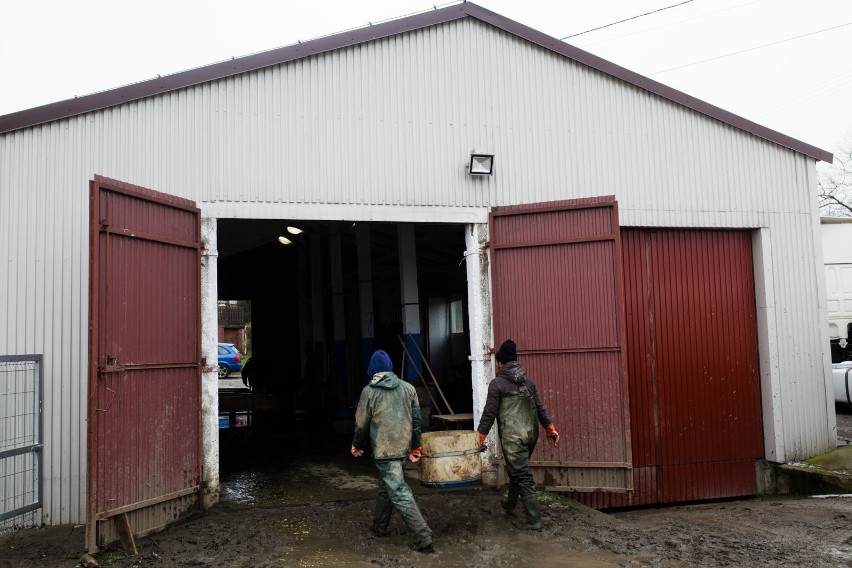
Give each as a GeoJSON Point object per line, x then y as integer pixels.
{"type": "Point", "coordinates": [595, 62]}
{"type": "Point", "coordinates": [183, 79]}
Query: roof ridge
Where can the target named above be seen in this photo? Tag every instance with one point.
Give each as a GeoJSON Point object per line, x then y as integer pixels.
{"type": "Point", "coordinates": [244, 64]}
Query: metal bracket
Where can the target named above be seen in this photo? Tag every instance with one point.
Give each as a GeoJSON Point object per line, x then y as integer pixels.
{"type": "Point", "coordinates": [486, 357]}
{"type": "Point", "coordinates": [205, 252]}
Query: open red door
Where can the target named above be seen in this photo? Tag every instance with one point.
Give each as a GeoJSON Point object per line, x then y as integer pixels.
{"type": "Point", "coordinates": [144, 454]}
{"type": "Point", "coordinates": [557, 291]}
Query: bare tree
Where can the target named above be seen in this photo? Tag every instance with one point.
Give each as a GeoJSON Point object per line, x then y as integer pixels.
{"type": "Point", "coordinates": [834, 184]}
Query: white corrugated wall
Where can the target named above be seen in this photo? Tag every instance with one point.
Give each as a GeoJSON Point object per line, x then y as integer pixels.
{"type": "Point", "coordinates": [383, 131]}
{"type": "Point", "coordinates": [44, 299]}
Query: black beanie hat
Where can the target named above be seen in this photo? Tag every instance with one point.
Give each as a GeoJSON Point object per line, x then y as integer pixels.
{"type": "Point", "coordinates": [507, 352]}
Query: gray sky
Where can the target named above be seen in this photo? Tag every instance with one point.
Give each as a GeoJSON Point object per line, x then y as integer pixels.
{"type": "Point", "coordinates": [52, 50]}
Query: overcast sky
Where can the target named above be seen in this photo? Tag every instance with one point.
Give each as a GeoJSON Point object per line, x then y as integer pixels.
{"type": "Point", "coordinates": [52, 50]}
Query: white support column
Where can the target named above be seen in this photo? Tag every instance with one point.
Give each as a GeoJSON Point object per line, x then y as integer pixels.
{"type": "Point", "coordinates": [365, 295]}
{"type": "Point", "coordinates": [338, 319]}
{"type": "Point", "coordinates": [409, 295]}
{"type": "Point", "coordinates": [479, 316]}
{"type": "Point", "coordinates": [209, 375]}
{"type": "Point", "coordinates": [305, 332]}
{"type": "Point", "coordinates": [317, 312]}
{"type": "Point", "coordinates": [767, 340]}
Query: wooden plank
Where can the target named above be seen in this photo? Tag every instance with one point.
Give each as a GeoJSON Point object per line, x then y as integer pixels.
{"type": "Point", "coordinates": [460, 417]}
{"type": "Point", "coordinates": [564, 488]}
{"type": "Point", "coordinates": [422, 379]}
{"type": "Point", "coordinates": [431, 374]}
{"type": "Point", "coordinates": [122, 525]}
{"type": "Point", "coordinates": [147, 502]}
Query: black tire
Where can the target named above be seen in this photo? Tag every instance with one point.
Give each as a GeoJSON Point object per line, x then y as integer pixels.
{"type": "Point", "coordinates": [224, 371]}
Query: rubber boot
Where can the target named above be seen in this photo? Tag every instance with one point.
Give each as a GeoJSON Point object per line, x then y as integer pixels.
{"type": "Point", "coordinates": [511, 501]}
{"type": "Point", "coordinates": [533, 522]}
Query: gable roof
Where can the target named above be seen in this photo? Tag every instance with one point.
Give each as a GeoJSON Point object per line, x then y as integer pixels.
{"type": "Point", "coordinates": [164, 84]}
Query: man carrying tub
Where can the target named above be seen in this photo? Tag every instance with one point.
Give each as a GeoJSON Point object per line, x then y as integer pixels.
{"type": "Point", "coordinates": [389, 413]}
{"type": "Point", "coordinates": [514, 402]}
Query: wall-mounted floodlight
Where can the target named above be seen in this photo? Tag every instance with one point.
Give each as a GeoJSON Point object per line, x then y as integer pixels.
{"type": "Point", "coordinates": [284, 240]}
{"type": "Point", "coordinates": [294, 230]}
{"type": "Point", "coordinates": [481, 164]}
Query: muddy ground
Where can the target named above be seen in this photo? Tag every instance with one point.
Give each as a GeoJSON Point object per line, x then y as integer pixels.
{"type": "Point", "coordinates": [314, 510]}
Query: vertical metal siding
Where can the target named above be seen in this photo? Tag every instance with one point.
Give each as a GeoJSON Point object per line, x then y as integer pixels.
{"type": "Point", "coordinates": [43, 285]}
{"type": "Point", "coordinates": [392, 122]}
{"type": "Point", "coordinates": [351, 126]}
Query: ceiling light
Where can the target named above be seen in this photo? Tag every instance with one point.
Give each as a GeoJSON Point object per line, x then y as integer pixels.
{"type": "Point", "coordinates": [481, 164]}
{"type": "Point", "coordinates": [284, 240]}
{"type": "Point", "coordinates": [294, 230]}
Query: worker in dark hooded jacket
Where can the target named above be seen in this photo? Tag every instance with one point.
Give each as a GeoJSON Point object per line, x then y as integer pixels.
{"type": "Point", "coordinates": [389, 414]}
{"type": "Point", "coordinates": [513, 401]}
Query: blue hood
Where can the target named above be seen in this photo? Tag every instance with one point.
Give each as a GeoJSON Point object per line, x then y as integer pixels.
{"type": "Point", "coordinates": [380, 362]}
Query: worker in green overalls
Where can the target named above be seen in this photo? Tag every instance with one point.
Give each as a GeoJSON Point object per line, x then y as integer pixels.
{"type": "Point", "coordinates": [513, 401]}
{"type": "Point", "coordinates": [388, 416]}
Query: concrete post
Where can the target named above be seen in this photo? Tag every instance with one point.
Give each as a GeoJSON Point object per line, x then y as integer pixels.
{"type": "Point", "coordinates": [317, 311]}
{"type": "Point", "coordinates": [365, 294]}
{"type": "Point", "coordinates": [210, 374]}
{"type": "Point", "coordinates": [305, 331]}
{"type": "Point", "coordinates": [481, 332]}
{"type": "Point", "coordinates": [410, 300]}
{"type": "Point", "coordinates": [338, 320]}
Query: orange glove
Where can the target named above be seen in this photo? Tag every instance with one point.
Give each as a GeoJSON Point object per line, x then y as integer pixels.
{"type": "Point", "coordinates": [482, 445]}
{"type": "Point", "coordinates": [414, 455]}
{"type": "Point", "coordinates": [356, 452]}
{"type": "Point", "coordinates": [552, 435]}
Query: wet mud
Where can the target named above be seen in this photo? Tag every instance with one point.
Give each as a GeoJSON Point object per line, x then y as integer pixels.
{"type": "Point", "coordinates": [315, 510]}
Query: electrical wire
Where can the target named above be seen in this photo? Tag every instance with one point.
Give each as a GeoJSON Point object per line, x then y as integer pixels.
{"type": "Point", "coordinates": [628, 19]}
{"type": "Point", "coordinates": [750, 49]}
{"type": "Point", "coordinates": [585, 45]}
{"type": "Point", "coordinates": [805, 96]}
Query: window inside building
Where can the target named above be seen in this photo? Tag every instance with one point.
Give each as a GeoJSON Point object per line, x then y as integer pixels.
{"type": "Point", "coordinates": [456, 317]}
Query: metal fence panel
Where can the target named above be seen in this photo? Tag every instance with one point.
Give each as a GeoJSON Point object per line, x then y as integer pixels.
{"type": "Point", "coordinates": [20, 440]}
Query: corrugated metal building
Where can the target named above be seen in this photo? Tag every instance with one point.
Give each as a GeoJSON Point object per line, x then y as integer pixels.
{"type": "Point", "coordinates": [706, 352]}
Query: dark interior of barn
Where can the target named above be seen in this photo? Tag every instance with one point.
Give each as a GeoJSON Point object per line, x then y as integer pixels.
{"type": "Point", "coordinates": [307, 339]}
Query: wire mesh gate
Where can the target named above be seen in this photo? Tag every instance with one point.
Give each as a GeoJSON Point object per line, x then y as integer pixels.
{"type": "Point", "coordinates": [21, 442]}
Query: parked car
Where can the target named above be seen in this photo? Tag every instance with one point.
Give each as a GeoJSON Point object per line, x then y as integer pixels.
{"type": "Point", "coordinates": [842, 375]}
{"type": "Point", "coordinates": [230, 360]}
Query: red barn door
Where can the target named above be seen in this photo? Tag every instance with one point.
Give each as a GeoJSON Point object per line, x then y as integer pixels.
{"type": "Point", "coordinates": [144, 454]}
{"type": "Point", "coordinates": [693, 364]}
{"type": "Point", "coordinates": [557, 291]}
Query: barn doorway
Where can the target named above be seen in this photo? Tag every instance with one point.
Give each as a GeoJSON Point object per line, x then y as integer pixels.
{"type": "Point", "coordinates": [324, 295]}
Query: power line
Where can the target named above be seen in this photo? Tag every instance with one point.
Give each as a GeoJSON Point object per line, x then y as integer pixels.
{"type": "Point", "coordinates": [628, 19]}
{"type": "Point", "coordinates": [646, 30]}
{"type": "Point", "coordinates": [750, 49]}
{"type": "Point", "coordinates": [817, 92]}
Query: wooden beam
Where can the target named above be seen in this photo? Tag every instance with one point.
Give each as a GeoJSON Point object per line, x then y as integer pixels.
{"type": "Point", "coordinates": [122, 525]}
